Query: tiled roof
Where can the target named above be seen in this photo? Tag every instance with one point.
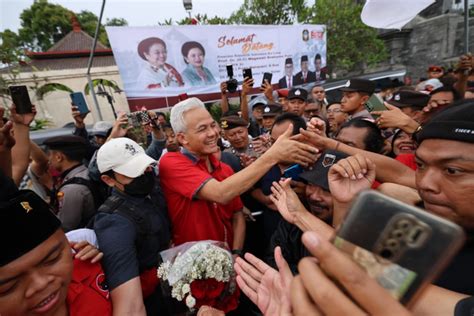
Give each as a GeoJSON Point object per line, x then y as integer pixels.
{"type": "Point", "coordinates": [76, 40]}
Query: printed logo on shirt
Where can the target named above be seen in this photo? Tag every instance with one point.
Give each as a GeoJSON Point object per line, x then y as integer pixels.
{"type": "Point", "coordinates": [100, 286]}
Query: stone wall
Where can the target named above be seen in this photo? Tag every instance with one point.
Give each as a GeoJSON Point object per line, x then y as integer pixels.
{"type": "Point", "coordinates": [437, 40]}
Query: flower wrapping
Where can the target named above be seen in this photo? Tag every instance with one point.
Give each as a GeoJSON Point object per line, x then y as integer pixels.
{"type": "Point", "coordinates": [201, 273]}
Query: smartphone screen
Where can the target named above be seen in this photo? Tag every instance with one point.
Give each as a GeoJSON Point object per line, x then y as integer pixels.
{"type": "Point", "coordinates": [78, 100]}
{"type": "Point", "coordinates": [399, 245]}
{"type": "Point", "coordinates": [293, 172]}
{"type": "Point", "coordinates": [268, 77]}
{"type": "Point", "coordinates": [21, 99]}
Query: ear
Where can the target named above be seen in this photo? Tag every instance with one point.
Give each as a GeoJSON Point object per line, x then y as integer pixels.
{"type": "Point", "coordinates": [59, 156]}
{"type": "Point", "coordinates": [108, 180]}
{"type": "Point", "coordinates": [181, 137]}
{"type": "Point", "coordinates": [364, 99]}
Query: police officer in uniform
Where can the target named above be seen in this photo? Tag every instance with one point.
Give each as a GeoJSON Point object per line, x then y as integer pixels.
{"type": "Point", "coordinates": [236, 132]}
{"type": "Point", "coordinates": [270, 112]}
{"type": "Point", "coordinates": [132, 227]}
{"type": "Point", "coordinates": [72, 196]}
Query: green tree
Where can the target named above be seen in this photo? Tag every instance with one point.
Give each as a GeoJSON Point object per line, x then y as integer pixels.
{"type": "Point", "coordinates": [9, 49]}
{"type": "Point", "coordinates": [88, 21]}
{"type": "Point", "coordinates": [269, 12]}
{"type": "Point", "coordinates": [350, 43]}
{"type": "Point", "coordinates": [202, 18]}
{"type": "Point", "coordinates": [43, 24]}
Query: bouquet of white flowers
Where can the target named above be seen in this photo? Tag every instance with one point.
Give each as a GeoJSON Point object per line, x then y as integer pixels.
{"type": "Point", "coordinates": [200, 273]}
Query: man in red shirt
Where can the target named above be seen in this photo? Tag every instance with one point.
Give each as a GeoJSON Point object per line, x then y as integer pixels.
{"type": "Point", "coordinates": [202, 193]}
{"type": "Point", "coordinates": [38, 274]}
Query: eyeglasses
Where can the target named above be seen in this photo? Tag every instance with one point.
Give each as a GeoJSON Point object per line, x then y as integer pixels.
{"type": "Point", "coordinates": [334, 111]}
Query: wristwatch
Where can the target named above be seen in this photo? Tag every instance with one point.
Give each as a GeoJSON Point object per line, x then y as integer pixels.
{"type": "Point", "coordinates": [238, 252]}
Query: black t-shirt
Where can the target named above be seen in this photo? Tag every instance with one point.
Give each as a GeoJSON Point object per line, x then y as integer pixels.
{"type": "Point", "coordinates": [7, 187]}
{"type": "Point", "coordinates": [459, 275]}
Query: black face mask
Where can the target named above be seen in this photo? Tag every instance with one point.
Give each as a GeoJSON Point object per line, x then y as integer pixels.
{"type": "Point", "coordinates": [141, 186]}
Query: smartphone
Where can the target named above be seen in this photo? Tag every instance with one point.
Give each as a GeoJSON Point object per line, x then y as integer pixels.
{"type": "Point", "coordinates": [267, 76]}
{"type": "Point", "coordinates": [21, 99]}
{"type": "Point", "coordinates": [247, 73]}
{"type": "Point", "coordinates": [230, 71]}
{"type": "Point", "coordinates": [78, 100]}
{"type": "Point", "coordinates": [293, 172]}
{"type": "Point", "coordinates": [375, 103]}
{"type": "Point", "coordinates": [401, 246]}
{"type": "Point", "coordinates": [138, 118]}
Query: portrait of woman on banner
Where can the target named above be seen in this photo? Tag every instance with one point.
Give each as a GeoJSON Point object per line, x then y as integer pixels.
{"type": "Point", "coordinates": [156, 73]}
{"type": "Point", "coordinates": [195, 74]}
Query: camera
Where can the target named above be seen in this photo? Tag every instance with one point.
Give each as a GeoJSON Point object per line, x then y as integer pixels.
{"type": "Point", "coordinates": [232, 83]}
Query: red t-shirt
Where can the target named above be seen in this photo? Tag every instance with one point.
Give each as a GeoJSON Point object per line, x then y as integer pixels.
{"type": "Point", "coordinates": [407, 160]}
{"type": "Point", "coordinates": [192, 219]}
{"type": "Point", "coordinates": [87, 293]}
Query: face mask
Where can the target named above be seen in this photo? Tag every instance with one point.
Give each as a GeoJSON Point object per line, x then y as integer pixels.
{"type": "Point", "coordinates": [141, 186]}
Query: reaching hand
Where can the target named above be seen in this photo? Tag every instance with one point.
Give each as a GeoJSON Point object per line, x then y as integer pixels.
{"type": "Point", "coordinates": [209, 311]}
{"type": "Point", "coordinates": [286, 200]}
{"type": "Point", "coordinates": [317, 126]}
{"type": "Point", "coordinates": [246, 160]}
{"type": "Point", "coordinates": [313, 292]}
{"type": "Point", "coordinates": [78, 116]}
{"type": "Point", "coordinates": [392, 118]}
{"type": "Point", "coordinates": [266, 287]}
{"type": "Point", "coordinates": [349, 176]}
{"type": "Point", "coordinates": [310, 137]}
{"type": "Point", "coordinates": [7, 141]}
{"type": "Point", "coordinates": [121, 126]}
{"type": "Point", "coordinates": [224, 87]}
{"type": "Point", "coordinates": [247, 86]}
{"type": "Point", "coordinates": [286, 149]}
{"type": "Point", "coordinates": [267, 90]}
{"type": "Point", "coordinates": [23, 119]}
{"type": "Point", "coordinates": [86, 251]}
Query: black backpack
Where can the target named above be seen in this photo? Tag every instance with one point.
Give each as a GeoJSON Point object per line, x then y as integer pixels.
{"type": "Point", "coordinates": [99, 191]}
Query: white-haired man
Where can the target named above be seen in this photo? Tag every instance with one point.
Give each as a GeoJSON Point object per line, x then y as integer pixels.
{"type": "Point", "coordinates": [201, 192]}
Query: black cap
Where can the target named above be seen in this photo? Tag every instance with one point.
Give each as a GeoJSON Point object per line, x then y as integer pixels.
{"type": "Point", "coordinates": [359, 85]}
{"type": "Point", "coordinates": [298, 93]}
{"type": "Point", "coordinates": [65, 142]}
{"type": "Point", "coordinates": [272, 109]}
{"type": "Point", "coordinates": [25, 222]}
{"type": "Point", "coordinates": [318, 175]}
{"type": "Point", "coordinates": [456, 122]}
{"type": "Point", "coordinates": [230, 122]}
{"type": "Point", "coordinates": [414, 99]}
{"type": "Point", "coordinates": [289, 61]}
{"type": "Point", "coordinates": [69, 145]}
{"type": "Point", "coordinates": [304, 58]}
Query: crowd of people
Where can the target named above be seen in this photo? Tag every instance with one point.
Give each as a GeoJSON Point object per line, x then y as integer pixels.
{"type": "Point", "coordinates": [84, 217]}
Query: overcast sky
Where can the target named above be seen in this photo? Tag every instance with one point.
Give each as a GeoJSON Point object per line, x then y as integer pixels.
{"type": "Point", "coordinates": [136, 12]}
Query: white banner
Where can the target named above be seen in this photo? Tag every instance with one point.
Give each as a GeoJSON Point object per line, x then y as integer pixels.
{"type": "Point", "coordinates": [170, 60]}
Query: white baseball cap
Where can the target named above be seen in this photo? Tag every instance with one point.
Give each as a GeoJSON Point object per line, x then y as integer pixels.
{"type": "Point", "coordinates": [123, 156]}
